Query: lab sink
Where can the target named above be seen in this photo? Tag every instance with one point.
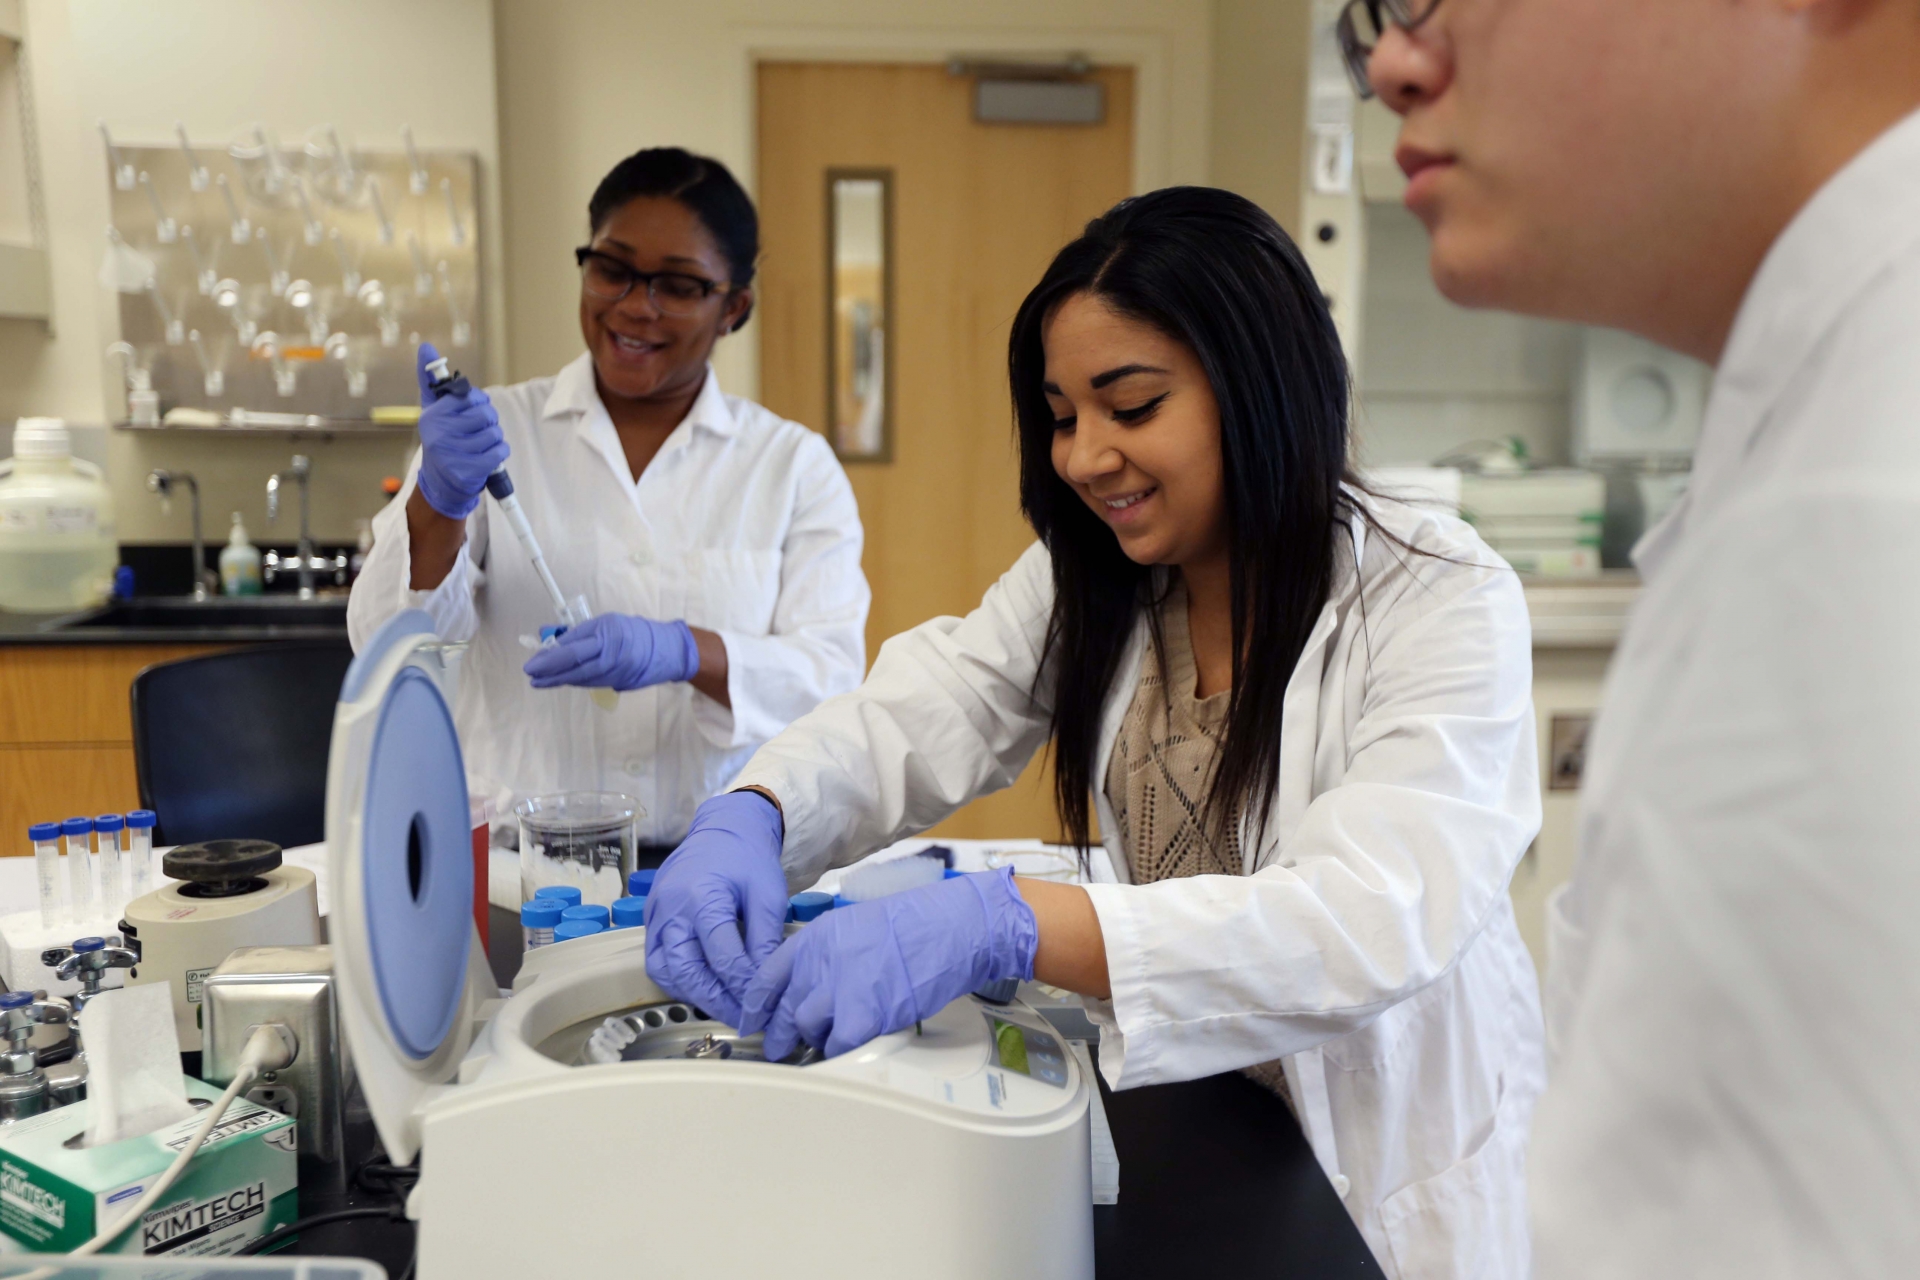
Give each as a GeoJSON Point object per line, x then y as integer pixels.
{"type": "Point", "coordinates": [247, 613]}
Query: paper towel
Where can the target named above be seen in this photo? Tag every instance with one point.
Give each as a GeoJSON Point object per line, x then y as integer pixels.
{"type": "Point", "coordinates": [133, 1063]}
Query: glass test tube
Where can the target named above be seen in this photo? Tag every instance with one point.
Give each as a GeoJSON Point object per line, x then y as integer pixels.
{"type": "Point", "coordinates": [113, 881]}
{"type": "Point", "coordinates": [79, 834]}
{"type": "Point", "coordinates": [46, 861]}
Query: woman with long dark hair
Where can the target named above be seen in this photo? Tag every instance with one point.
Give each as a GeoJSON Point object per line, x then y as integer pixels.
{"type": "Point", "coordinates": [1301, 713]}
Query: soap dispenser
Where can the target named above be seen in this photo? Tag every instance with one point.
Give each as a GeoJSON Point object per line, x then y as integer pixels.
{"type": "Point", "coordinates": [239, 563]}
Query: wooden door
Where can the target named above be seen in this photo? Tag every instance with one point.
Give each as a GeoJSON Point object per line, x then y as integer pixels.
{"type": "Point", "coordinates": [977, 213]}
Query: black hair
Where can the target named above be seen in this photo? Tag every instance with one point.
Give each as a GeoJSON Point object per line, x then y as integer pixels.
{"type": "Point", "coordinates": [1212, 270]}
{"type": "Point", "coordinates": [701, 183]}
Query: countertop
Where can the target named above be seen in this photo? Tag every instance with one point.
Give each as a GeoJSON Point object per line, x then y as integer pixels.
{"type": "Point", "coordinates": [170, 620]}
{"type": "Point", "coordinates": [1581, 613]}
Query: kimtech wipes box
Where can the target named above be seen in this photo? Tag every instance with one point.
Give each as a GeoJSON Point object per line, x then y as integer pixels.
{"type": "Point", "coordinates": [55, 1194]}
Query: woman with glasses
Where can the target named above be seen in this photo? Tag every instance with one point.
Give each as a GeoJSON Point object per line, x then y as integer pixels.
{"type": "Point", "coordinates": [717, 545]}
{"type": "Point", "coordinates": [1301, 714]}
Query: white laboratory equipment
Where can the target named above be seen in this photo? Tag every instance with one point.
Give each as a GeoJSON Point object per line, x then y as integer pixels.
{"type": "Point", "coordinates": [1636, 402]}
{"type": "Point", "coordinates": [1545, 522]}
{"type": "Point", "coordinates": [218, 895]}
{"type": "Point", "coordinates": [956, 1149]}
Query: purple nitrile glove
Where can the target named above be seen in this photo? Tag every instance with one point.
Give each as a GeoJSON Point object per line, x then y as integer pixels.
{"type": "Point", "coordinates": [726, 873]}
{"type": "Point", "coordinates": [865, 970]}
{"type": "Point", "coordinates": [617, 651]}
{"type": "Point", "coordinates": [460, 445]}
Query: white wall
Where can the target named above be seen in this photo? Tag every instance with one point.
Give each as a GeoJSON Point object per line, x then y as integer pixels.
{"type": "Point", "coordinates": [367, 66]}
{"type": "Point", "coordinates": [1434, 376]}
{"type": "Point", "coordinates": [585, 82]}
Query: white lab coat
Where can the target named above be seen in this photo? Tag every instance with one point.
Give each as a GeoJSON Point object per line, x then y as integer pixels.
{"type": "Point", "coordinates": [1374, 945]}
{"type": "Point", "coordinates": [743, 524]}
{"type": "Point", "coordinates": [1735, 987]}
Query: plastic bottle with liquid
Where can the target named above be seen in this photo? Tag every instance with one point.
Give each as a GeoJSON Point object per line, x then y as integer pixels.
{"type": "Point", "coordinates": [240, 563]}
{"type": "Point", "coordinates": [58, 548]}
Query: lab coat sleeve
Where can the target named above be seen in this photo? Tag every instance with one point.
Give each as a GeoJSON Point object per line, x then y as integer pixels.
{"type": "Point", "coordinates": [947, 714]}
{"type": "Point", "coordinates": [1735, 1095]}
{"type": "Point", "coordinates": [816, 646]}
{"type": "Point", "coordinates": [1386, 880]}
{"type": "Point", "coordinates": [381, 590]}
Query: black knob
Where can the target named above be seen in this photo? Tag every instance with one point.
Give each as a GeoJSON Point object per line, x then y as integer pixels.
{"type": "Point", "coordinates": [221, 868]}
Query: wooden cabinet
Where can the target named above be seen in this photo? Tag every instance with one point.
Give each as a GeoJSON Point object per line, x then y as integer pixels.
{"type": "Point", "coordinates": [66, 732]}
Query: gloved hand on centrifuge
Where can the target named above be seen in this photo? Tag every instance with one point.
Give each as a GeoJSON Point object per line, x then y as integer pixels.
{"type": "Point", "coordinates": [460, 445]}
{"type": "Point", "coordinates": [617, 651]}
{"type": "Point", "coordinates": [861, 971]}
{"type": "Point", "coordinates": [725, 875]}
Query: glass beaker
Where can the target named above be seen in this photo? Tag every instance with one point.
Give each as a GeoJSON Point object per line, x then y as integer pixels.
{"type": "Point", "coordinates": [586, 839]}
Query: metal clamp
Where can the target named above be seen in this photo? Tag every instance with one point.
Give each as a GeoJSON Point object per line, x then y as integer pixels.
{"type": "Point", "coordinates": [87, 961]}
{"type": "Point", "coordinates": [23, 1085]}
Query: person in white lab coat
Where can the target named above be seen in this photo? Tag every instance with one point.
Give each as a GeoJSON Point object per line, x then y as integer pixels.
{"type": "Point", "coordinates": [1302, 715]}
{"type": "Point", "coordinates": [718, 543]}
{"type": "Point", "coordinates": [1736, 966]}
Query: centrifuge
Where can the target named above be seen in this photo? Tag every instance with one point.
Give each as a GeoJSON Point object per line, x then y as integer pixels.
{"type": "Point", "coordinates": [589, 1124]}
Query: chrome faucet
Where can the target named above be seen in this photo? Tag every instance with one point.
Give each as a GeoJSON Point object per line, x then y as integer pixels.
{"type": "Point", "coordinates": [300, 471]}
{"type": "Point", "coordinates": [162, 482]}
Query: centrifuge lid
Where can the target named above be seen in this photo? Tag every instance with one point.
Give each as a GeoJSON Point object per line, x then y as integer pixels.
{"type": "Point", "coordinates": [399, 844]}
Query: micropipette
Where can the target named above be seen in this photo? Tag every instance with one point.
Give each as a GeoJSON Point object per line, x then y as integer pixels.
{"type": "Point", "coordinates": [446, 382]}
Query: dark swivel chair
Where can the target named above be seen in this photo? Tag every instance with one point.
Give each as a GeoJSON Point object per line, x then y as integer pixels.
{"type": "Point", "coordinates": [234, 744]}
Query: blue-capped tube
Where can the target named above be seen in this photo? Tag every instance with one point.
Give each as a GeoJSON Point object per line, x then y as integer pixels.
{"type": "Point", "coordinates": [804, 908]}
{"type": "Point", "coordinates": [46, 866]}
{"type": "Point", "coordinates": [538, 918]}
{"type": "Point", "coordinates": [140, 852]}
{"type": "Point", "coordinates": [588, 911]}
{"type": "Point", "coordinates": [79, 836]}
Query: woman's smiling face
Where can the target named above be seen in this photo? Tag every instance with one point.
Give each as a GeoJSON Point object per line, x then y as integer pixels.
{"type": "Point", "coordinates": [1136, 432]}
{"type": "Point", "coordinates": [639, 352]}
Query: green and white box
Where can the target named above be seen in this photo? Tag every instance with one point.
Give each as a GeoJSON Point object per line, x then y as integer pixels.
{"type": "Point", "coordinates": [55, 1194]}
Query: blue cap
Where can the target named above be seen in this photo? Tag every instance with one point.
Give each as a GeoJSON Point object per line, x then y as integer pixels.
{"type": "Point", "coordinates": [141, 818]}
{"type": "Point", "coordinates": [89, 944]}
{"type": "Point", "coordinates": [640, 883]}
{"type": "Point", "coordinates": [541, 913]}
{"type": "Point", "coordinates": [565, 892]}
{"type": "Point", "coordinates": [552, 633]}
{"type": "Point", "coordinates": [629, 913]}
{"type": "Point", "coordinates": [16, 999]}
{"type": "Point", "coordinates": [587, 911]}
{"type": "Point", "coordinates": [77, 827]}
{"type": "Point", "coordinates": [810, 906]}
{"type": "Point", "coordinates": [577, 929]}
{"type": "Point", "coordinates": [42, 831]}
{"type": "Point", "coordinates": [109, 822]}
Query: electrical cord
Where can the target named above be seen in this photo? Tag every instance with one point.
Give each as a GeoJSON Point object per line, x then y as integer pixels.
{"type": "Point", "coordinates": [392, 1212]}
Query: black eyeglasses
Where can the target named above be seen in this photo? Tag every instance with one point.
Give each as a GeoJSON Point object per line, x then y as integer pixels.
{"type": "Point", "coordinates": [673, 293]}
{"type": "Point", "coordinates": [1363, 22]}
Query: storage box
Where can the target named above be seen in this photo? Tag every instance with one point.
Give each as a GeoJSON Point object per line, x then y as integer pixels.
{"type": "Point", "coordinates": [55, 1194]}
